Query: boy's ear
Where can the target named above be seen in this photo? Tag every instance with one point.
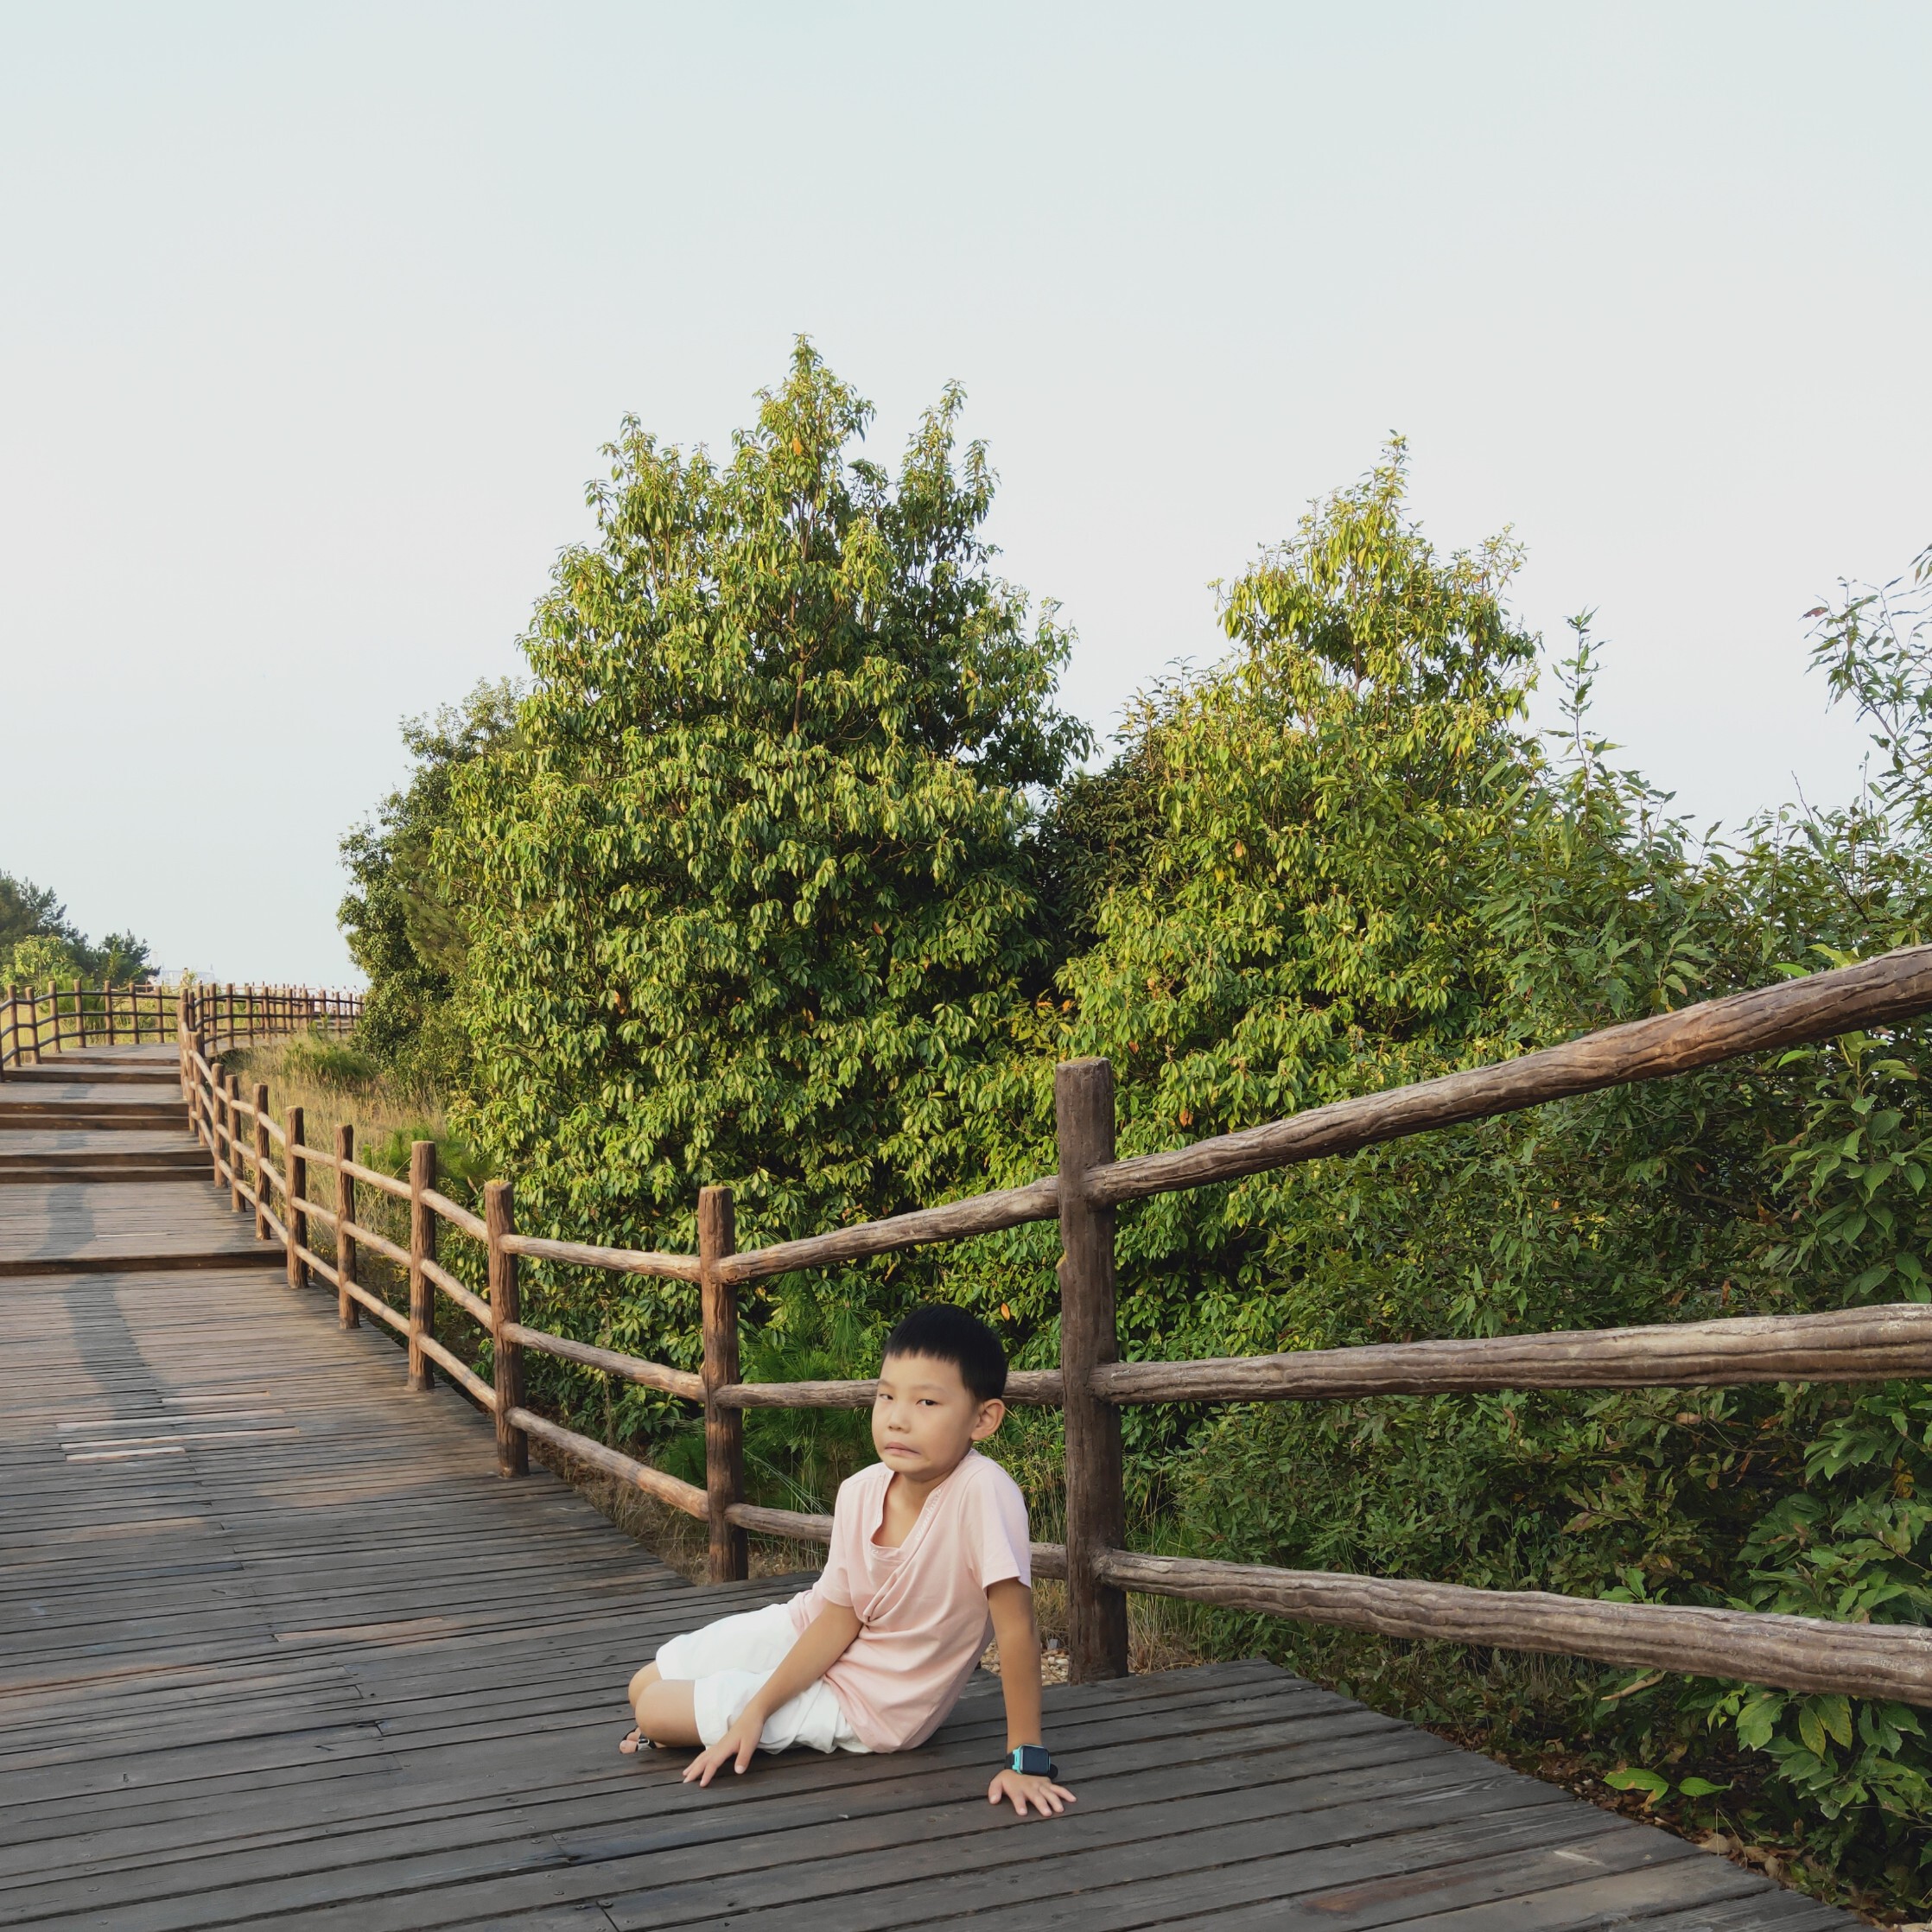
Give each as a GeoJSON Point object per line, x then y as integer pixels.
{"type": "Point", "coordinates": [987, 1422]}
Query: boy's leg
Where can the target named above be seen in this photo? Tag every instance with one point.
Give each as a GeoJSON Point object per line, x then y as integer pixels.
{"type": "Point", "coordinates": [666, 1712]}
{"type": "Point", "coordinates": [665, 1706]}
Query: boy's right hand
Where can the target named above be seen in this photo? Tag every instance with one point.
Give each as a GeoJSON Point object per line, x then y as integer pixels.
{"type": "Point", "coordinates": [739, 1742]}
{"type": "Point", "coordinates": [1041, 1793]}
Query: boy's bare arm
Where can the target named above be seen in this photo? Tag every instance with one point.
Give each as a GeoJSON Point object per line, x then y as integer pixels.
{"type": "Point", "coordinates": [1012, 1606]}
{"type": "Point", "coordinates": [818, 1647]}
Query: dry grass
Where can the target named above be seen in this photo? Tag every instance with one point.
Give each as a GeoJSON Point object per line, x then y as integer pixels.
{"type": "Point", "coordinates": [297, 1076]}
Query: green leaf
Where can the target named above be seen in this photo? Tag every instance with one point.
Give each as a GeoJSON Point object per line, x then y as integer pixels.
{"type": "Point", "coordinates": [1632, 1779]}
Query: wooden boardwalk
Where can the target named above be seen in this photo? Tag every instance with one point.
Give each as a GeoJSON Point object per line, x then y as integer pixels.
{"type": "Point", "coordinates": [277, 1647]}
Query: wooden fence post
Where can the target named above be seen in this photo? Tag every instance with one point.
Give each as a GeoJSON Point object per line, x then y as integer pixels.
{"type": "Point", "coordinates": [348, 1311]}
{"type": "Point", "coordinates": [34, 1002]}
{"type": "Point", "coordinates": [500, 1218]}
{"type": "Point", "coordinates": [234, 1144]}
{"type": "Point", "coordinates": [79, 1017]}
{"type": "Point", "coordinates": [261, 1159]}
{"type": "Point", "coordinates": [724, 1428]}
{"type": "Point", "coordinates": [422, 1248]}
{"type": "Point", "coordinates": [215, 1118]}
{"type": "Point", "coordinates": [296, 1167]}
{"type": "Point", "coordinates": [1095, 1500]}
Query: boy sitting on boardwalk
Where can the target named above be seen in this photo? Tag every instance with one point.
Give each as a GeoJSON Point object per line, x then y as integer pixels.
{"type": "Point", "coordinates": [928, 1544]}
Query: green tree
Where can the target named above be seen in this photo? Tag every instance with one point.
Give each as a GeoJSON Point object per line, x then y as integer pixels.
{"type": "Point", "coordinates": [755, 896]}
{"type": "Point", "coordinates": [405, 913]}
{"type": "Point", "coordinates": [30, 911]}
{"type": "Point", "coordinates": [39, 944]}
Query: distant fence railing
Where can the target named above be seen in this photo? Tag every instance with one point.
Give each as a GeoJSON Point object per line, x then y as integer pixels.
{"type": "Point", "coordinates": [36, 1022]}
{"type": "Point", "coordinates": [1092, 1385]}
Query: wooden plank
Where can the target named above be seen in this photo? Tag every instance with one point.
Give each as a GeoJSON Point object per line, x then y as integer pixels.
{"type": "Point", "coordinates": [375, 1687]}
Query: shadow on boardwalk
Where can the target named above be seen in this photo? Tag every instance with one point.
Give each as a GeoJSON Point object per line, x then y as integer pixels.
{"type": "Point", "coordinates": [276, 1646]}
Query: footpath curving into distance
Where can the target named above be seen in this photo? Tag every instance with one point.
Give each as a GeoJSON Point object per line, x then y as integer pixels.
{"type": "Point", "coordinates": [278, 1648]}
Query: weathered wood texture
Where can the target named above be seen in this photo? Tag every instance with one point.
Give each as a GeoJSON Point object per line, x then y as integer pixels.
{"type": "Point", "coordinates": [621, 1261]}
{"type": "Point", "coordinates": [1795, 1653]}
{"type": "Point", "coordinates": [56, 1226]}
{"type": "Point", "coordinates": [728, 1554]}
{"type": "Point", "coordinates": [278, 1649]}
{"type": "Point", "coordinates": [348, 1312]}
{"type": "Point", "coordinates": [506, 1355]}
{"type": "Point", "coordinates": [422, 1248]}
{"type": "Point", "coordinates": [983, 1214]}
{"type": "Point", "coordinates": [1025, 1388]}
{"type": "Point", "coordinates": [626, 1368]}
{"type": "Point", "coordinates": [295, 1191]}
{"type": "Point", "coordinates": [1096, 1496]}
{"type": "Point", "coordinates": [686, 1497]}
{"type": "Point", "coordinates": [1897, 986]}
{"type": "Point", "coordinates": [1850, 1345]}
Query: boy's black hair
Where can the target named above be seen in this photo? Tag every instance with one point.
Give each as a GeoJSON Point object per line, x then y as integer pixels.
{"type": "Point", "coordinates": [943, 1333]}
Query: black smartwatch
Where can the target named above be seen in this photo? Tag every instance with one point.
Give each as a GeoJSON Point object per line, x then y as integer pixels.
{"type": "Point", "coordinates": [1030, 1761]}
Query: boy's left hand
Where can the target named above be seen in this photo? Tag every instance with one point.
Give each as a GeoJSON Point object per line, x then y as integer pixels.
{"type": "Point", "coordinates": [741, 1742]}
{"type": "Point", "coordinates": [1041, 1793]}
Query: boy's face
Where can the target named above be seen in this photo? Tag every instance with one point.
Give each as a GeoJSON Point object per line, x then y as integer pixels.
{"type": "Point", "coordinates": [924, 1417]}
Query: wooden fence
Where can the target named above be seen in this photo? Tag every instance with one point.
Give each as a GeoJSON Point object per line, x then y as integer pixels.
{"type": "Point", "coordinates": [37, 1021]}
{"type": "Point", "coordinates": [1091, 1385]}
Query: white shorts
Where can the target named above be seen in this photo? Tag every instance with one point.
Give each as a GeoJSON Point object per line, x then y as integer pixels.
{"type": "Point", "coordinates": [727, 1661]}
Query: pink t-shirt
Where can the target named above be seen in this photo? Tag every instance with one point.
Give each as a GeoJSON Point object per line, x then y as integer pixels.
{"type": "Point", "coordinates": [922, 1619]}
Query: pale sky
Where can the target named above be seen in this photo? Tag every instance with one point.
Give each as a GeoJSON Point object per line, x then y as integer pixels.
{"type": "Point", "coordinates": [313, 320]}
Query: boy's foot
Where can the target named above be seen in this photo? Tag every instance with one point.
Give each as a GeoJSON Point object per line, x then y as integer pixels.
{"type": "Point", "coordinates": [636, 1742]}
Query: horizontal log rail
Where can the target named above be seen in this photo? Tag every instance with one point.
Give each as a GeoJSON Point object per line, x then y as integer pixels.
{"type": "Point", "coordinates": [1855, 1345]}
{"type": "Point", "coordinates": [1896, 986]}
{"type": "Point", "coordinates": [459, 1372]}
{"type": "Point", "coordinates": [459, 1218]}
{"type": "Point", "coordinates": [1027, 1387]}
{"type": "Point", "coordinates": [376, 1305]}
{"type": "Point", "coordinates": [471, 1304]}
{"type": "Point", "coordinates": [680, 1495]}
{"type": "Point", "coordinates": [625, 1367]}
{"type": "Point", "coordinates": [1802, 1654]}
{"type": "Point", "coordinates": [984, 1214]}
{"type": "Point", "coordinates": [375, 1177]}
{"type": "Point", "coordinates": [367, 1237]}
{"type": "Point", "coordinates": [1795, 1653]}
{"type": "Point", "coordinates": [619, 1261]}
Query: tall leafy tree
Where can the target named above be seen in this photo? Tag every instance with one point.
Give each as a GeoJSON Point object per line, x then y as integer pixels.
{"type": "Point", "coordinates": [405, 913]}
{"type": "Point", "coordinates": [40, 944]}
{"type": "Point", "coordinates": [755, 893]}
